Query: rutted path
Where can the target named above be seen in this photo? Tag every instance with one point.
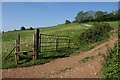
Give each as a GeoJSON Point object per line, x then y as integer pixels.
{"type": "Point", "coordinates": [68, 67]}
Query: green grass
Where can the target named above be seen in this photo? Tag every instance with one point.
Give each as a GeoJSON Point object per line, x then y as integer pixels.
{"type": "Point", "coordinates": [85, 59]}
{"type": "Point", "coordinates": [73, 30]}
{"type": "Point", "coordinates": [8, 43]}
{"type": "Point", "coordinates": [114, 24]}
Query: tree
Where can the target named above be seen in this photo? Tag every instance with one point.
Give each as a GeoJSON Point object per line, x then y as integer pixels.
{"type": "Point", "coordinates": [30, 28]}
{"type": "Point", "coordinates": [74, 21]}
{"type": "Point", "coordinates": [23, 28]}
{"type": "Point", "coordinates": [99, 15]}
{"type": "Point", "coordinates": [118, 14]}
{"type": "Point", "coordinates": [111, 16]}
{"type": "Point", "coordinates": [67, 22]}
{"type": "Point", "coordinates": [90, 18]}
{"type": "Point", "coordinates": [80, 17]}
{"type": "Point", "coordinates": [85, 16]}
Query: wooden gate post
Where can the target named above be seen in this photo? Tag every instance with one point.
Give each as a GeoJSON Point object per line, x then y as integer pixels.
{"type": "Point", "coordinates": [36, 42]}
{"type": "Point", "coordinates": [17, 48]}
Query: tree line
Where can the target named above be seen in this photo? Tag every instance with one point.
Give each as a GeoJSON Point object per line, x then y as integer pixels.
{"type": "Point", "coordinates": [91, 16]}
{"type": "Point", "coordinates": [98, 16]}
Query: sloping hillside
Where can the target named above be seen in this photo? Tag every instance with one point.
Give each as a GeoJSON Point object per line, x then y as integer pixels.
{"type": "Point", "coordinates": [70, 67]}
{"type": "Point", "coordinates": [73, 30]}
{"type": "Point", "coordinates": [8, 38]}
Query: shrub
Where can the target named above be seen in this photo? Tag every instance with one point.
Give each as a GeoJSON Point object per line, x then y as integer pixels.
{"type": "Point", "coordinates": [74, 21]}
{"type": "Point", "coordinates": [67, 22]}
{"type": "Point", "coordinates": [15, 30]}
{"type": "Point", "coordinates": [95, 33]}
{"type": "Point", "coordinates": [23, 28]}
{"type": "Point", "coordinates": [111, 64]}
{"type": "Point", "coordinates": [30, 28]}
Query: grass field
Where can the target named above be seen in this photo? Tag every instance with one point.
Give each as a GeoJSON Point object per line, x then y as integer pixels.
{"type": "Point", "coordinates": [114, 24]}
{"type": "Point", "coordinates": [72, 29]}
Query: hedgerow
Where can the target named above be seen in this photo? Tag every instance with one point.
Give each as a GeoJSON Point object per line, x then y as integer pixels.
{"type": "Point", "coordinates": [95, 33]}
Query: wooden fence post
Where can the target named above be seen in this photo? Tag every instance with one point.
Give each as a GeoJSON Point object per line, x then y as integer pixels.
{"type": "Point", "coordinates": [17, 48]}
{"type": "Point", "coordinates": [36, 43]}
{"type": "Point", "coordinates": [57, 43]}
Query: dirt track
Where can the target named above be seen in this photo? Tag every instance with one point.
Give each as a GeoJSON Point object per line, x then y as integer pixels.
{"type": "Point", "coordinates": [65, 67]}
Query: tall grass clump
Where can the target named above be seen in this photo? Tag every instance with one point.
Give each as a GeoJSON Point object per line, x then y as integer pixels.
{"type": "Point", "coordinates": [111, 64]}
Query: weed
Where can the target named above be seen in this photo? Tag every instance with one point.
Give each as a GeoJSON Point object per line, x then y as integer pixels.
{"type": "Point", "coordinates": [86, 59]}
